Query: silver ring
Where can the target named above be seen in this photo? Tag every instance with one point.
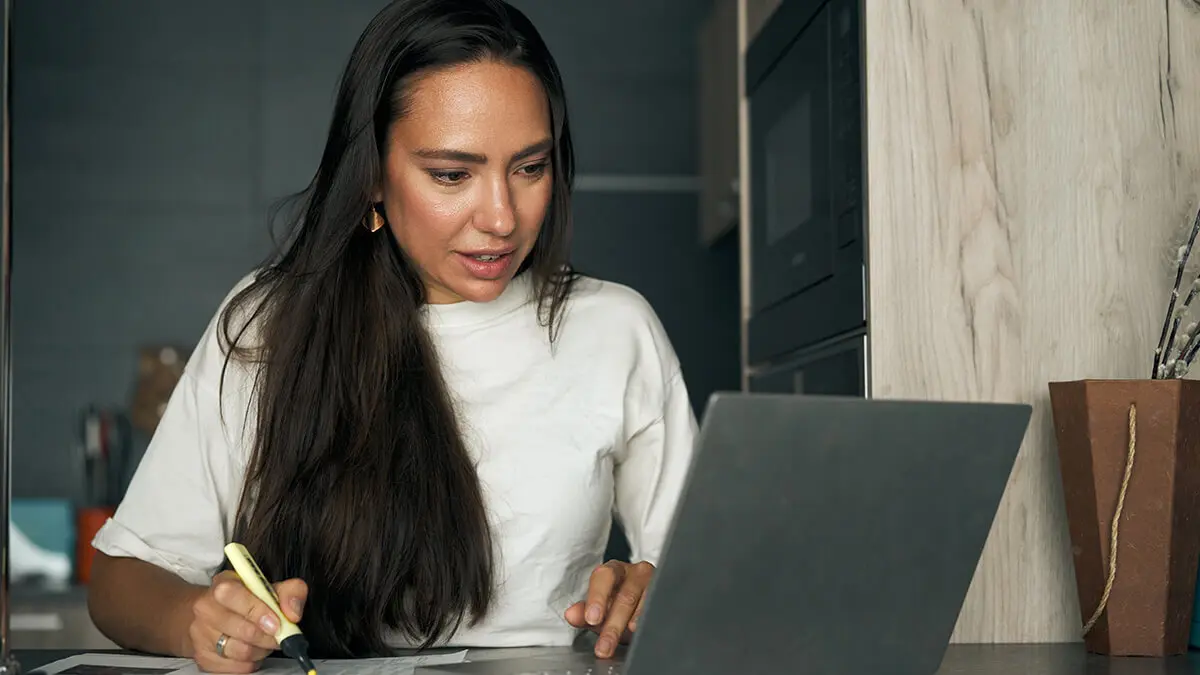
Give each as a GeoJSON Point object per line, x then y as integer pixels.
{"type": "Point", "coordinates": [221, 645]}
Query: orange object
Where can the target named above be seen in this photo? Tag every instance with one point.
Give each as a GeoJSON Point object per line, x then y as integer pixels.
{"type": "Point", "coordinates": [88, 521]}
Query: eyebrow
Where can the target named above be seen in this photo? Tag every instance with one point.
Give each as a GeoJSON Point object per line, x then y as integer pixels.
{"type": "Point", "coordinates": [475, 158]}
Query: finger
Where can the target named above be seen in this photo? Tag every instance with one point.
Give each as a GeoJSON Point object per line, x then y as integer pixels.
{"type": "Point", "coordinates": [210, 663]}
{"type": "Point", "coordinates": [233, 596]}
{"type": "Point", "coordinates": [605, 579]}
{"type": "Point", "coordinates": [236, 650]}
{"type": "Point", "coordinates": [293, 594]}
{"type": "Point", "coordinates": [637, 614]}
{"type": "Point", "coordinates": [238, 656]}
{"type": "Point", "coordinates": [624, 602]}
{"type": "Point", "coordinates": [575, 615]}
{"type": "Point", "coordinates": [222, 620]}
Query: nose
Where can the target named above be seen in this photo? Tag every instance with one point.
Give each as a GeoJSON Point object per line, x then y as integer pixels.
{"type": "Point", "coordinates": [498, 217]}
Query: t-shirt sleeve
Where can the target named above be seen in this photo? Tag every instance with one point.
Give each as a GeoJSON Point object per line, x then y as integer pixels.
{"type": "Point", "coordinates": [173, 512]}
{"type": "Point", "coordinates": [651, 472]}
{"type": "Point", "coordinates": [656, 451]}
{"type": "Point", "coordinates": [178, 510]}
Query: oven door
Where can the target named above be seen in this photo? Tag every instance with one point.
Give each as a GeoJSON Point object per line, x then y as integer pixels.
{"type": "Point", "coordinates": [793, 233]}
{"type": "Point", "coordinates": [836, 369]}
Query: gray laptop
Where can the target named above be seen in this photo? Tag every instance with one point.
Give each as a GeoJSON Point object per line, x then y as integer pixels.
{"type": "Point", "coordinates": [816, 535]}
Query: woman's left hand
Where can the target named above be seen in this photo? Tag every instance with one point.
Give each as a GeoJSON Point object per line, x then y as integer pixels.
{"type": "Point", "coordinates": [614, 603]}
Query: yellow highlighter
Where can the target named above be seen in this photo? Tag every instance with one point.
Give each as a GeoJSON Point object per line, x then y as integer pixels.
{"type": "Point", "coordinates": [291, 640]}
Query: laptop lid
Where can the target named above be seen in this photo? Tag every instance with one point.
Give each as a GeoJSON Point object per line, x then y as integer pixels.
{"type": "Point", "coordinates": [838, 535]}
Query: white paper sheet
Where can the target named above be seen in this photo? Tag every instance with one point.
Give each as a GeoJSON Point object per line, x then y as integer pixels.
{"type": "Point", "coordinates": [114, 664]}
{"type": "Point", "coordinates": [118, 664]}
{"type": "Point", "coordinates": [398, 665]}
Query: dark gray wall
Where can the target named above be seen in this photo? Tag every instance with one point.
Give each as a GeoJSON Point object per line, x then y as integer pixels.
{"type": "Point", "coordinates": [151, 135]}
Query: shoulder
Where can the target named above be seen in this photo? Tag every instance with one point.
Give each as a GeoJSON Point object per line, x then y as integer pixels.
{"type": "Point", "coordinates": [613, 307]}
{"type": "Point", "coordinates": [232, 323]}
{"type": "Point", "coordinates": [617, 320]}
{"type": "Point", "coordinates": [612, 299]}
{"type": "Point", "coordinates": [209, 412]}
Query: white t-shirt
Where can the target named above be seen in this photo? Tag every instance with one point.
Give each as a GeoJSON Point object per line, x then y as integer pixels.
{"type": "Point", "coordinates": [561, 438]}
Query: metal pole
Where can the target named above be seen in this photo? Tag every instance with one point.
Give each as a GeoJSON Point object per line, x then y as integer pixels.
{"type": "Point", "coordinates": [8, 663]}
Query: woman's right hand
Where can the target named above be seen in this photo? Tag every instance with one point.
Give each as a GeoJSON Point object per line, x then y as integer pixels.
{"type": "Point", "coordinates": [229, 609]}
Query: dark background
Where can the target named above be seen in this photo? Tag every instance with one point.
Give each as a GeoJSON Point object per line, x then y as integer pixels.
{"type": "Point", "coordinates": [152, 135]}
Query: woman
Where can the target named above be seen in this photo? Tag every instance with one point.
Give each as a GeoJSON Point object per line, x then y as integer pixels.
{"type": "Point", "coordinates": [415, 417]}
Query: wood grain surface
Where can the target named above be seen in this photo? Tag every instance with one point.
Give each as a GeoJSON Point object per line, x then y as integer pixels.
{"type": "Point", "coordinates": [1031, 165]}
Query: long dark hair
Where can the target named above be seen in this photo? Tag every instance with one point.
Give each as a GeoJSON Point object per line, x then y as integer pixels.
{"type": "Point", "coordinates": [359, 481]}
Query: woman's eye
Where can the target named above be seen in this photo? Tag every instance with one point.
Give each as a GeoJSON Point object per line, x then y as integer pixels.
{"type": "Point", "coordinates": [449, 177]}
{"type": "Point", "coordinates": [534, 170]}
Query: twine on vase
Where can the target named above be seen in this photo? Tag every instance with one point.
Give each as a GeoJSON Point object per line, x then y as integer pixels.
{"type": "Point", "coordinates": [1116, 521]}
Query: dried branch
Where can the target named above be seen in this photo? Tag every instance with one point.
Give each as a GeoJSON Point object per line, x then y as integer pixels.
{"type": "Point", "coordinates": [1180, 312]}
{"type": "Point", "coordinates": [1185, 359]}
{"type": "Point", "coordinates": [1159, 371]}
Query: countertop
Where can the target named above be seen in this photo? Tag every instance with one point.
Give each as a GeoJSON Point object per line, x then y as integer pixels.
{"type": "Point", "coordinates": [1055, 659]}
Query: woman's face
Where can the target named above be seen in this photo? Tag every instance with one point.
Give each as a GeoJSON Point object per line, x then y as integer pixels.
{"type": "Point", "coordinates": [467, 177]}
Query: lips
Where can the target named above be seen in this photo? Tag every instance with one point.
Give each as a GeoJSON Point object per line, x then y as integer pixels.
{"type": "Point", "coordinates": [486, 265]}
{"type": "Point", "coordinates": [487, 255]}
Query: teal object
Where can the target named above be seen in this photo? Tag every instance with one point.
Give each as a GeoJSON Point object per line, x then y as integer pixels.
{"type": "Point", "coordinates": [1194, 640]}
{"type": "Point", "coordinates": [49, 523]}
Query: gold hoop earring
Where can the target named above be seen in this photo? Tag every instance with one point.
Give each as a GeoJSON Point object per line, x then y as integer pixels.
{"type": "Point", "coordinates": [376, 220]}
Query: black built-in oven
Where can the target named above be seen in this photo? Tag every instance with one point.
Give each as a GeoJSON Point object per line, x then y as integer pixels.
{"type": "Point", "coordinates": [804, 85]}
